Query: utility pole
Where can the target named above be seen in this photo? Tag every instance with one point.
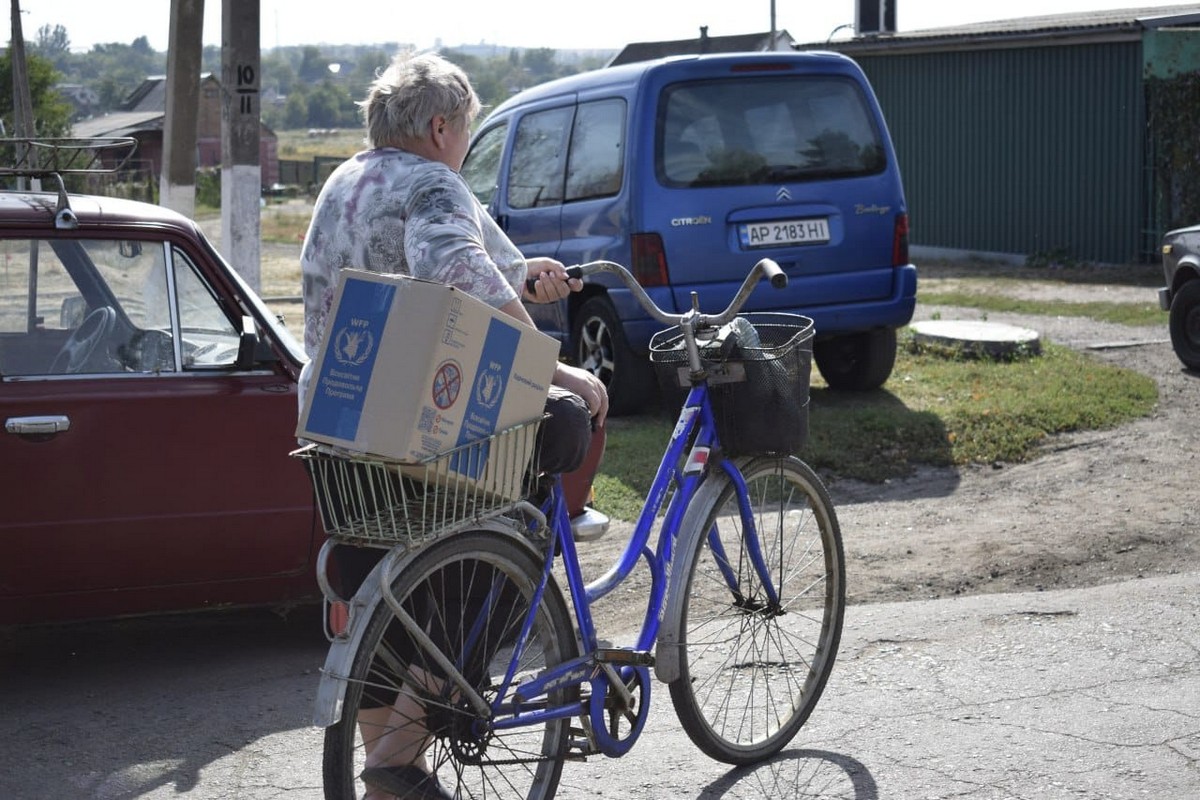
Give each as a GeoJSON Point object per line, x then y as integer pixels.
{"type": "Point", "coordinates": [773, 26]}
{"type": "Point", "coordinates": [22, 100]}
{"type": "Point", "coordinates": [241, 170]}
{"type": "Point", "coordinates": [177, 184]}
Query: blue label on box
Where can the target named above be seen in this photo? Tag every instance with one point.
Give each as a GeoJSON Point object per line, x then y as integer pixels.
{"type": "Point", "coordinates": [339, 390]}
{"type": "Point", "coordinates": [487, 394]}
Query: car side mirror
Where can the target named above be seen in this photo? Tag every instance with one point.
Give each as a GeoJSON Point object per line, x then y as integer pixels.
{"type": "Point", "coordinates": [247, 345]}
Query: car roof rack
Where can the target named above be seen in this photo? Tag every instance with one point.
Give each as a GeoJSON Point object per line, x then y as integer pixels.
{"type": "Point", "coordinates": [54, 157]}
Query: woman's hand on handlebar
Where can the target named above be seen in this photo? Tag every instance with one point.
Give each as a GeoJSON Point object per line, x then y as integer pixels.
{"type": "Point", "coordinates": [547, 281]}
{"type": "Point", "coordinates": [587, 386]}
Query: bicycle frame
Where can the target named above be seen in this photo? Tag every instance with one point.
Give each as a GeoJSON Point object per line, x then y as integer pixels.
{"type": "Point", "coordinates": [695, 427]}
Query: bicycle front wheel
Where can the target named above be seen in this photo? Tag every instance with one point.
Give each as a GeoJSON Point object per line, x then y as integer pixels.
{"type": "Point", "coordinates": [471, 594]}
{"type": "Point", "coordinates": [756, 655]}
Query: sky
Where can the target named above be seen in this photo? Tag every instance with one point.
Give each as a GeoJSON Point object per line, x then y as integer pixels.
{"type": "Point", "coordinates": [605, 25]}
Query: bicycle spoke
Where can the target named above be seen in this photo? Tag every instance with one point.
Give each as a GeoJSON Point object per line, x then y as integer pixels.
{"type": "Point", "coordinates": [756, 666]}
{"type": "Point", "coordinates": [471, 596]}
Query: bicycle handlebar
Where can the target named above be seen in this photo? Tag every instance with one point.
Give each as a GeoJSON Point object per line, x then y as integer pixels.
{"type": "Point", "coordinates": [766, 268]}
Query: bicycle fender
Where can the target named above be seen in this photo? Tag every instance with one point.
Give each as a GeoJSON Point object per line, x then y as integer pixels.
{"type": "Point", "coordinates": [331, 691]}
{"type": "Point", "coordinates": [668, 648]}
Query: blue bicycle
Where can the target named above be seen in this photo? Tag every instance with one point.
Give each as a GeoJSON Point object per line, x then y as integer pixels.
{"type": "Point", "coordinates": [459, 653]}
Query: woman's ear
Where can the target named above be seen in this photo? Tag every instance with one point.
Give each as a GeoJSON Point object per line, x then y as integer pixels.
{"type": "Point", "coordinates": [437, 131]}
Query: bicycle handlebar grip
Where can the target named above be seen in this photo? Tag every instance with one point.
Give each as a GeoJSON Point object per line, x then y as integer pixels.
{"type": "Point", "coordinates": [774, 273]}
{"type": "Point", "coordinates": [572, 272]}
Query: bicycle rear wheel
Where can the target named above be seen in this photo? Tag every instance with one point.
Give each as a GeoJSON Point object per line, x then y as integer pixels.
{"type": "Point", "coordinates": [752, 668]}
{"type": "Point", "coordinates": [471, 594]}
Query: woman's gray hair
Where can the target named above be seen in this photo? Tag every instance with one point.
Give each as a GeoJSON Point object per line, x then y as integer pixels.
{"type": "Point", "coordinates": [414, 89]}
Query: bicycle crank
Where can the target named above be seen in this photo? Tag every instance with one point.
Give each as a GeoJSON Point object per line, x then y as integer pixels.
{"type": "Point", "coordinates": [618, 707]}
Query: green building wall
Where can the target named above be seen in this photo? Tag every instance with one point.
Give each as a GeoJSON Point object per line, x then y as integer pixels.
{"type": "Point", "coordinates": [1036, 151]}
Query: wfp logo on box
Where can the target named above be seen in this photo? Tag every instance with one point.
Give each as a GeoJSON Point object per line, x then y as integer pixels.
{"type": "Point", "coordinates": [352, 347]}
{"type": "Point", "coordinates": [489, 386]}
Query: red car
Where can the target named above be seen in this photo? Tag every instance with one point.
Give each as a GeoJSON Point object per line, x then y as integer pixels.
{"type": "Point", "coordinates": [149, 406]}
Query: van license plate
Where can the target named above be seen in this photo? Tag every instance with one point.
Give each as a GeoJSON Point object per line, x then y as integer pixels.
{"type": "Point", "coordinates": [783, 232]}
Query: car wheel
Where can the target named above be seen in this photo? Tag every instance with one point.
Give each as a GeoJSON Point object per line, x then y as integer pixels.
{"type": "Point", "coordinates": [857, 361]}
{"type": "Point", "coordinates": [601, 349]}
{"type": "Point", "coordinates": [1185, 324]}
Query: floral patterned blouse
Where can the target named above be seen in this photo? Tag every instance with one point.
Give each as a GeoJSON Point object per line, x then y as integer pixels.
{"type": "Point", "coordinates": [390, 211]}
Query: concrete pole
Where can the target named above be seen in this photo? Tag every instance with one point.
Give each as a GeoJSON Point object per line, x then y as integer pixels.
{"type": "Point", "coordinates": [241, 171]}
{"type": "Point", "coordinates": [177, 184]}
{"type": "Point", "coordinates": [22, 99]}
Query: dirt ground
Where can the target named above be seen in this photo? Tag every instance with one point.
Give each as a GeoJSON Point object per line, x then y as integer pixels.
{"type": "Point", "coordinates": [1093, 508]}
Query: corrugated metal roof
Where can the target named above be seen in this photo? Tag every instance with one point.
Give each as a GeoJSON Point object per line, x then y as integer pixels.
{"type": "Point", "coordinates": [741, 43]}
{"type": "Point", "coordinates": [120, 123]}
{"type": "Point", "coordinates": [1112, 18]}
{"type": "Point", "coordinates": [150, 95]}
{"type": "Point", "coordinates": [1109, 24]}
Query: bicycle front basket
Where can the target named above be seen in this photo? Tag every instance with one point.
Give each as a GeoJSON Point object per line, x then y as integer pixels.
{"type": "Point", "coordinates": [758, 376]}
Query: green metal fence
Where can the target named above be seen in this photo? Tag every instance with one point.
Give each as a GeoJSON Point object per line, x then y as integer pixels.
{"type": "Point", "coordinates": [1033, 150]}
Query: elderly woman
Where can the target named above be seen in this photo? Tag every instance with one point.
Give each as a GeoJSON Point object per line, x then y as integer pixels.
{"type": "Point", "coordinates": [401, 206]}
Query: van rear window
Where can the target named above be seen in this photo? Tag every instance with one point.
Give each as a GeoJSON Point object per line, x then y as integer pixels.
{"type": "Point", "coordinates": [755, 130]}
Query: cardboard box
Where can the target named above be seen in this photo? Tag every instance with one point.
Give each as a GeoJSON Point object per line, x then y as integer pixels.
{"type": "Point", "coordinates": [409, 369]}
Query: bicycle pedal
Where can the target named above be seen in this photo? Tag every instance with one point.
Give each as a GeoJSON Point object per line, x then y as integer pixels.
{"type": "Point", "coordinates": [616, 655]}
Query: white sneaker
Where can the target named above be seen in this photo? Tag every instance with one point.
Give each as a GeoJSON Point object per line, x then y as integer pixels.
{"type": "Point", "coordinates": [588, 525]}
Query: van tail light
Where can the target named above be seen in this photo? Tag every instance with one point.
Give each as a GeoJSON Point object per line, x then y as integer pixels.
{"type": "Point", "coordinates": [649, 259]}
{"type": "Point", "coordinates": [900, 241]}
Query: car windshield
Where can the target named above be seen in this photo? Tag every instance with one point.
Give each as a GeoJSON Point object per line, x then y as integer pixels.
{"type": "Point", "coordinates": [737, 132]}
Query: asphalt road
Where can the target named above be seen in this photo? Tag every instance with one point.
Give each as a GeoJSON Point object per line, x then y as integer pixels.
{"type": "Point", "coordinates": [1086, 693]}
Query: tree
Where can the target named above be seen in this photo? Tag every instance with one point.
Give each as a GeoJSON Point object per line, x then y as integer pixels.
{"type": "Point", "coordinates": [540, 63]}
{"type": "Point", "coordinates": [295, 112]}
{"type": "Point", "coordinates": [314, 67]}
{"type": "Point", "coordinates": [368, 64]}
{"type": "Point", "coordinates": [323, 107]}
{"type": "Point", "coordinates": [51, 114]}
{"type": "Point", "coordinates": [52, 42]}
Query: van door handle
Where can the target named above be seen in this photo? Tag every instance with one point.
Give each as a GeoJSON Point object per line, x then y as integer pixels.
{"type": "Point", "coordinates": [502, 221]}
{"type": "Point", "coordinates": [38, 426]}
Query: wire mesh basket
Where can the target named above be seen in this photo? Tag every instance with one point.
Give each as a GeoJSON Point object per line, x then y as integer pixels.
{"type": "Point", "coordinates": [759, 367]}
{"type": "Point", "coordinates": [371, 501]}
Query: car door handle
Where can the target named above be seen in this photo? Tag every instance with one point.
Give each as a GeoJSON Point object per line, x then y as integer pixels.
{"type": "Point", "coordinates": [45, 425]}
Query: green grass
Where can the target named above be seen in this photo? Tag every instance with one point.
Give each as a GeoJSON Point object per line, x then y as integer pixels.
{"type": "Point", "coordinates": [1121, 313]}
{"type": "Point", "coordinates": [934, 410]}
{"type": "Point", "coordinates": [285, 225]}
{"type": "Point", "coordinates": [299, 144]}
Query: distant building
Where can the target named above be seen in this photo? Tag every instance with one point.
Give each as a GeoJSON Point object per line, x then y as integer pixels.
{"type": "Point", "coordinates": [742, 43]}
{"type": "Point", "coordinates": [83, 100]}
{"type": "Point", "coordinates": [142, 114]}
{"type": "Point", "coordinates": [1049, 137]}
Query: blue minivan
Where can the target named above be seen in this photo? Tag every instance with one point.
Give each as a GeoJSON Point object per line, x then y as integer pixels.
{"type": "Point", "coordinates": [690, 169]}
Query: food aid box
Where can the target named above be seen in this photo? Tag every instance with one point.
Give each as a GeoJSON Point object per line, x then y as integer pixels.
{"type": "Point", "coordinates": [409, 369]}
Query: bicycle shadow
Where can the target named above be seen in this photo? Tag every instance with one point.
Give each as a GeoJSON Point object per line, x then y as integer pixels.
{"type": "Point", "coordinates": [796, 774]}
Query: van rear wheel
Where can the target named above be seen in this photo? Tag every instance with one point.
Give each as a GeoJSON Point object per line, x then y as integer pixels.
{"type": "Point", "coordinates": [601, 349]}
{"type": "Point", "coordinates": [857, 361]}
